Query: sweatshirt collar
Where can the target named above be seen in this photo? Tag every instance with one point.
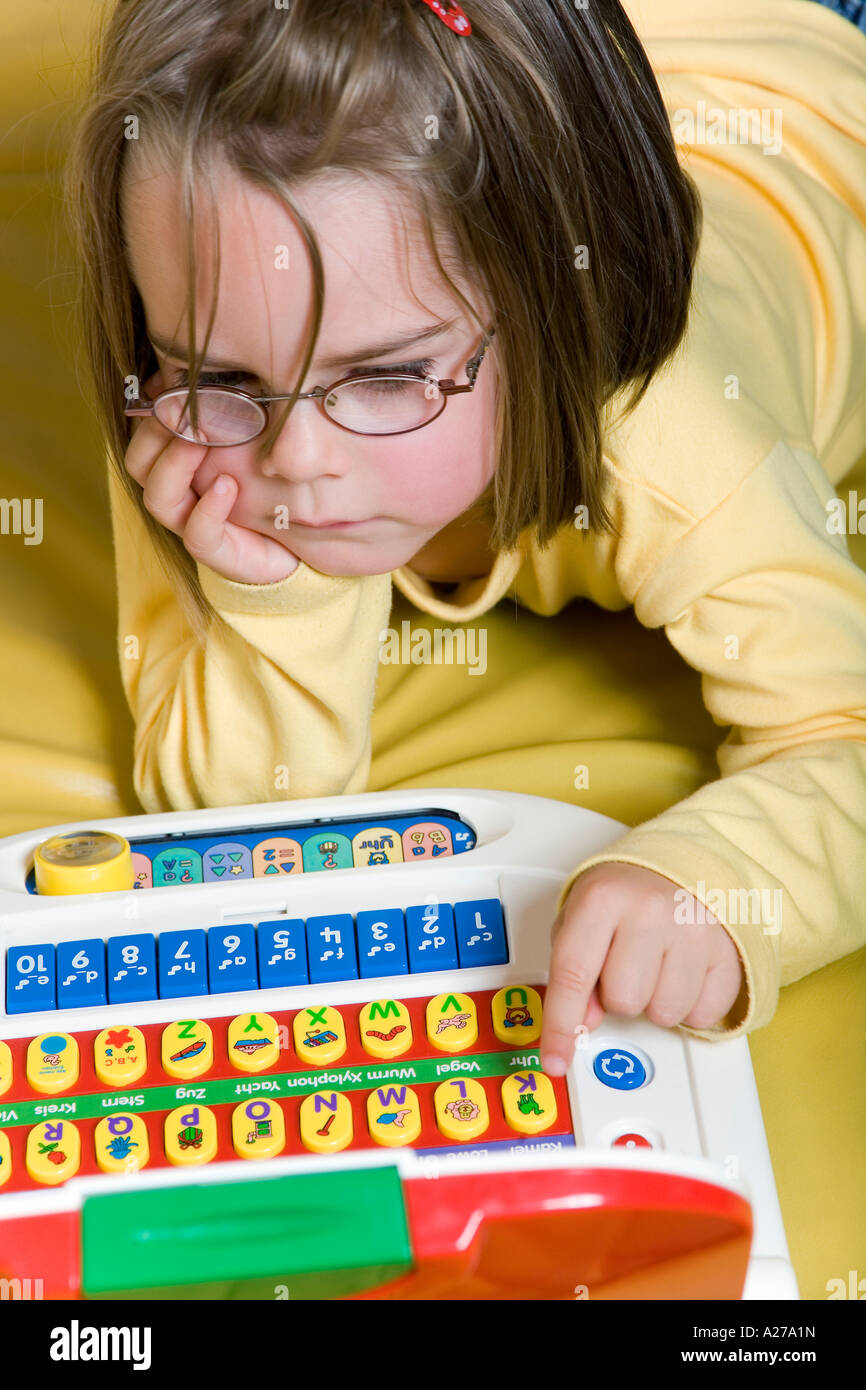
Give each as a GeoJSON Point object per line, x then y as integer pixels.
{"type": "Point", "coordinates": [471, 598]}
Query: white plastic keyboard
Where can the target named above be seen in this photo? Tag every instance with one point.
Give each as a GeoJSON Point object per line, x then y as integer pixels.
{"type": "Point", "coordinates": [695, 1113]}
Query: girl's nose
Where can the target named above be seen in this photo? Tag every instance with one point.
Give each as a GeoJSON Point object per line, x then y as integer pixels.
{"type": "Point", "coordinates": [307, 447]}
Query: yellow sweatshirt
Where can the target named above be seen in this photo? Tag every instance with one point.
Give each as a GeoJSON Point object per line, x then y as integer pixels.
{"type": "Point", "coordinates": [720, 484]}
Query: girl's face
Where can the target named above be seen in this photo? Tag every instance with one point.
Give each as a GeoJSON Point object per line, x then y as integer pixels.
{"type": "Point", "coordinates": [400, 490]}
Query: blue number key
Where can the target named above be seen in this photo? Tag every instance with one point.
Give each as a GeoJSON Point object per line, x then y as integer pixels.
{"type": "Point", "coordinates": [432, 944]}
{"type": "Point", "coordinates": [29, 979]}
{"type": "Point", "coordinates": [131, 969]}
{"type": "Point", "coordinates": [182, 963]}
{"type": "Point", "coordinates": [331, 948]}
{"type": "Point", "coordinates": [80, 973]}
{"type": "Point", "coordinates": [231, 958]}
{"type": "Point", "coordinates": [282, 953]}
{"type": "Point", "coordinates": [480, 932]}
{"type": "Point", "coordinates": [382, 942]}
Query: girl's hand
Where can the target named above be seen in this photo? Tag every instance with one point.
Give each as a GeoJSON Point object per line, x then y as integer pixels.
{"type": "Point", "coordinates": [165, 467]}
{"type": "Point", "coordinates": [618, 947]}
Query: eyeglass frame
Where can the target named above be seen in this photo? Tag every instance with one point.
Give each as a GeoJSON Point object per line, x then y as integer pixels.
{"type": "Point", "coordinates": [445, 388]}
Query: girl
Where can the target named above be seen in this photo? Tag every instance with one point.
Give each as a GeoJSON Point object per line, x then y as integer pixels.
{"type": "Point", "coordinates": [481, 333]}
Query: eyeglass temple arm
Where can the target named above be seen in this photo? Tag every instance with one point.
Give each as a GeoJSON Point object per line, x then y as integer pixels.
{"type": "Point", "coordinates": [447, 386]}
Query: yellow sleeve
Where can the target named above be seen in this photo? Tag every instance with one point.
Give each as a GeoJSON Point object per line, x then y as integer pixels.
{"type": "Point", "coordinates": [275, 707]}
{"type": "Point", "coordinates": [763, 599]}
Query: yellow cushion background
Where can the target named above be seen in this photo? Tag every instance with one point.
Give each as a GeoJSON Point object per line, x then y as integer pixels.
{"type": "Point", "coordinates": [585, 688]}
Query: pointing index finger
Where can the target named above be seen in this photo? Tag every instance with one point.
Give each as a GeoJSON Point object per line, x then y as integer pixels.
{"type": "Point", "coordinates": [580, 949]}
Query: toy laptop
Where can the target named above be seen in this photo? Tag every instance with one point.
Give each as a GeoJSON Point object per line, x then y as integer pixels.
{"type": "Point", "coordinates": [292, 1051]}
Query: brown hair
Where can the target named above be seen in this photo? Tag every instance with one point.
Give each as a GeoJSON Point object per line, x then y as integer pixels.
{"type": "Point", "coordinates": [552, 135]}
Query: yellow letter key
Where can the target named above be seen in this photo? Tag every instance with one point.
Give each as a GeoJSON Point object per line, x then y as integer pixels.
{"type": "Point", "coordinates": [187, 1048]}
{"type": "Point", "coordinates": [326, 1122]}
{"type": "Point", "coordinates": [121, 1143]}
{"type": "Point", "coordinates": [529, 1101]}
{"type": "Point", "coordinates": [461, 1109]}
{"type": "Point", "coordinates": [52, 1063]}
{"type": "Point", "coordinates": [119, 1056]}
{"type": "Point", "coordinates": [320, 1035]}
{"type": "Point", "coordinates": [393, 1116]}
{"type": "Point", "coordinates": [386, 1028]}
{"type": "Point", "coordinates": [258, 1129]}
{"type": "Point", "coordinates": [452, 1022]}
{"type": "Point", "coordinates": [253, 1042]}
{"type": "Point", "coordinates": [516, 1014]}
{"type": "Point", "coordinates": [190, 1135]}
{"type": "Point", "coordinates": [53, 1152]}
{"type": "Point", "coordinates": [5, 1158]}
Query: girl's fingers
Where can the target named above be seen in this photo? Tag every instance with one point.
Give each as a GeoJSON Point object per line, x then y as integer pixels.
{"type": "Point", "coordinates": [205, 535]}
{"type": "Point", "coordinates": [165, 467]}
{"type": "Point", "coordinates": [232, 551]}
{"type": "Point", "coordinates": [147, 436]}
{"type": "Point", "coordinates": [679, 986]}
{"type": "Point", "coordinates": [578, 954]}
{"type": "Point", "coordinates": [630, 973]}
{"type": "Point", "coordinates": [721, 986]}
{"type": "Point", "coordinates": [594, 1015]}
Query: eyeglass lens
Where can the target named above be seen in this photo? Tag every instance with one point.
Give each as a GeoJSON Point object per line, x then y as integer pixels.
{"type": "Point", "coordinates": [375, 405]}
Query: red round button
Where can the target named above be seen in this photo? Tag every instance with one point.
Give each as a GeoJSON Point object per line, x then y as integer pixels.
{"type": "Point", "coordinates": [631, 1141]}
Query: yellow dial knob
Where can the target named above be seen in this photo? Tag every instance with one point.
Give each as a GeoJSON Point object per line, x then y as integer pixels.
{"type": "Point", "coordinates": [83, 861]}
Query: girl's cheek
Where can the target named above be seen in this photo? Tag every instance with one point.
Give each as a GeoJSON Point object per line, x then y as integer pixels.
{"type": "Point", "coordinates": [217, 461]}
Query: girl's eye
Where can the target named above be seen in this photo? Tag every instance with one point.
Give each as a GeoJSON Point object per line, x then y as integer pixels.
{"type": "Point", "coordinates": [422, 368]}
{"type": "Point", "coordinates": [237, 379]}
{"type": "Point", "coordinates": [181, 378]}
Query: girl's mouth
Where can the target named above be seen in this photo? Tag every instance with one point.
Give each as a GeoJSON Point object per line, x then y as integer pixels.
{"type": "Point", "coordinates": [332, 525]}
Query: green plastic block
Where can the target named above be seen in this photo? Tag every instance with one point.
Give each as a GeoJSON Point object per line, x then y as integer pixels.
{"type": "Point", "coordinates": [310, 1235]}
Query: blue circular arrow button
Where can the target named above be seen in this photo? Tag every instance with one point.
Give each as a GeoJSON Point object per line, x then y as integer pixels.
{"type": "Point", "coordinates": [620, 1069]}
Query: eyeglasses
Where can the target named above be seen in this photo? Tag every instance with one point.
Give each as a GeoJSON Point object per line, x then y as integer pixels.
{"type": "Point", "coordinates": [370, 405]}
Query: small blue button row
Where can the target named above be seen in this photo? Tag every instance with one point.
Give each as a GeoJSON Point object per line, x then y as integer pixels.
{"type": "Point", "coordinates": [289, 951]}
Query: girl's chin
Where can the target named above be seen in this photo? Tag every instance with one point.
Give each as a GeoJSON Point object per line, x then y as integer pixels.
{"type": "Point", "coordinates": [353, 560]}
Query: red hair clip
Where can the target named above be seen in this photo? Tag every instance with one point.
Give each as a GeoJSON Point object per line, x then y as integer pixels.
{"type": "Point", "coordinates": [450, 14]}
